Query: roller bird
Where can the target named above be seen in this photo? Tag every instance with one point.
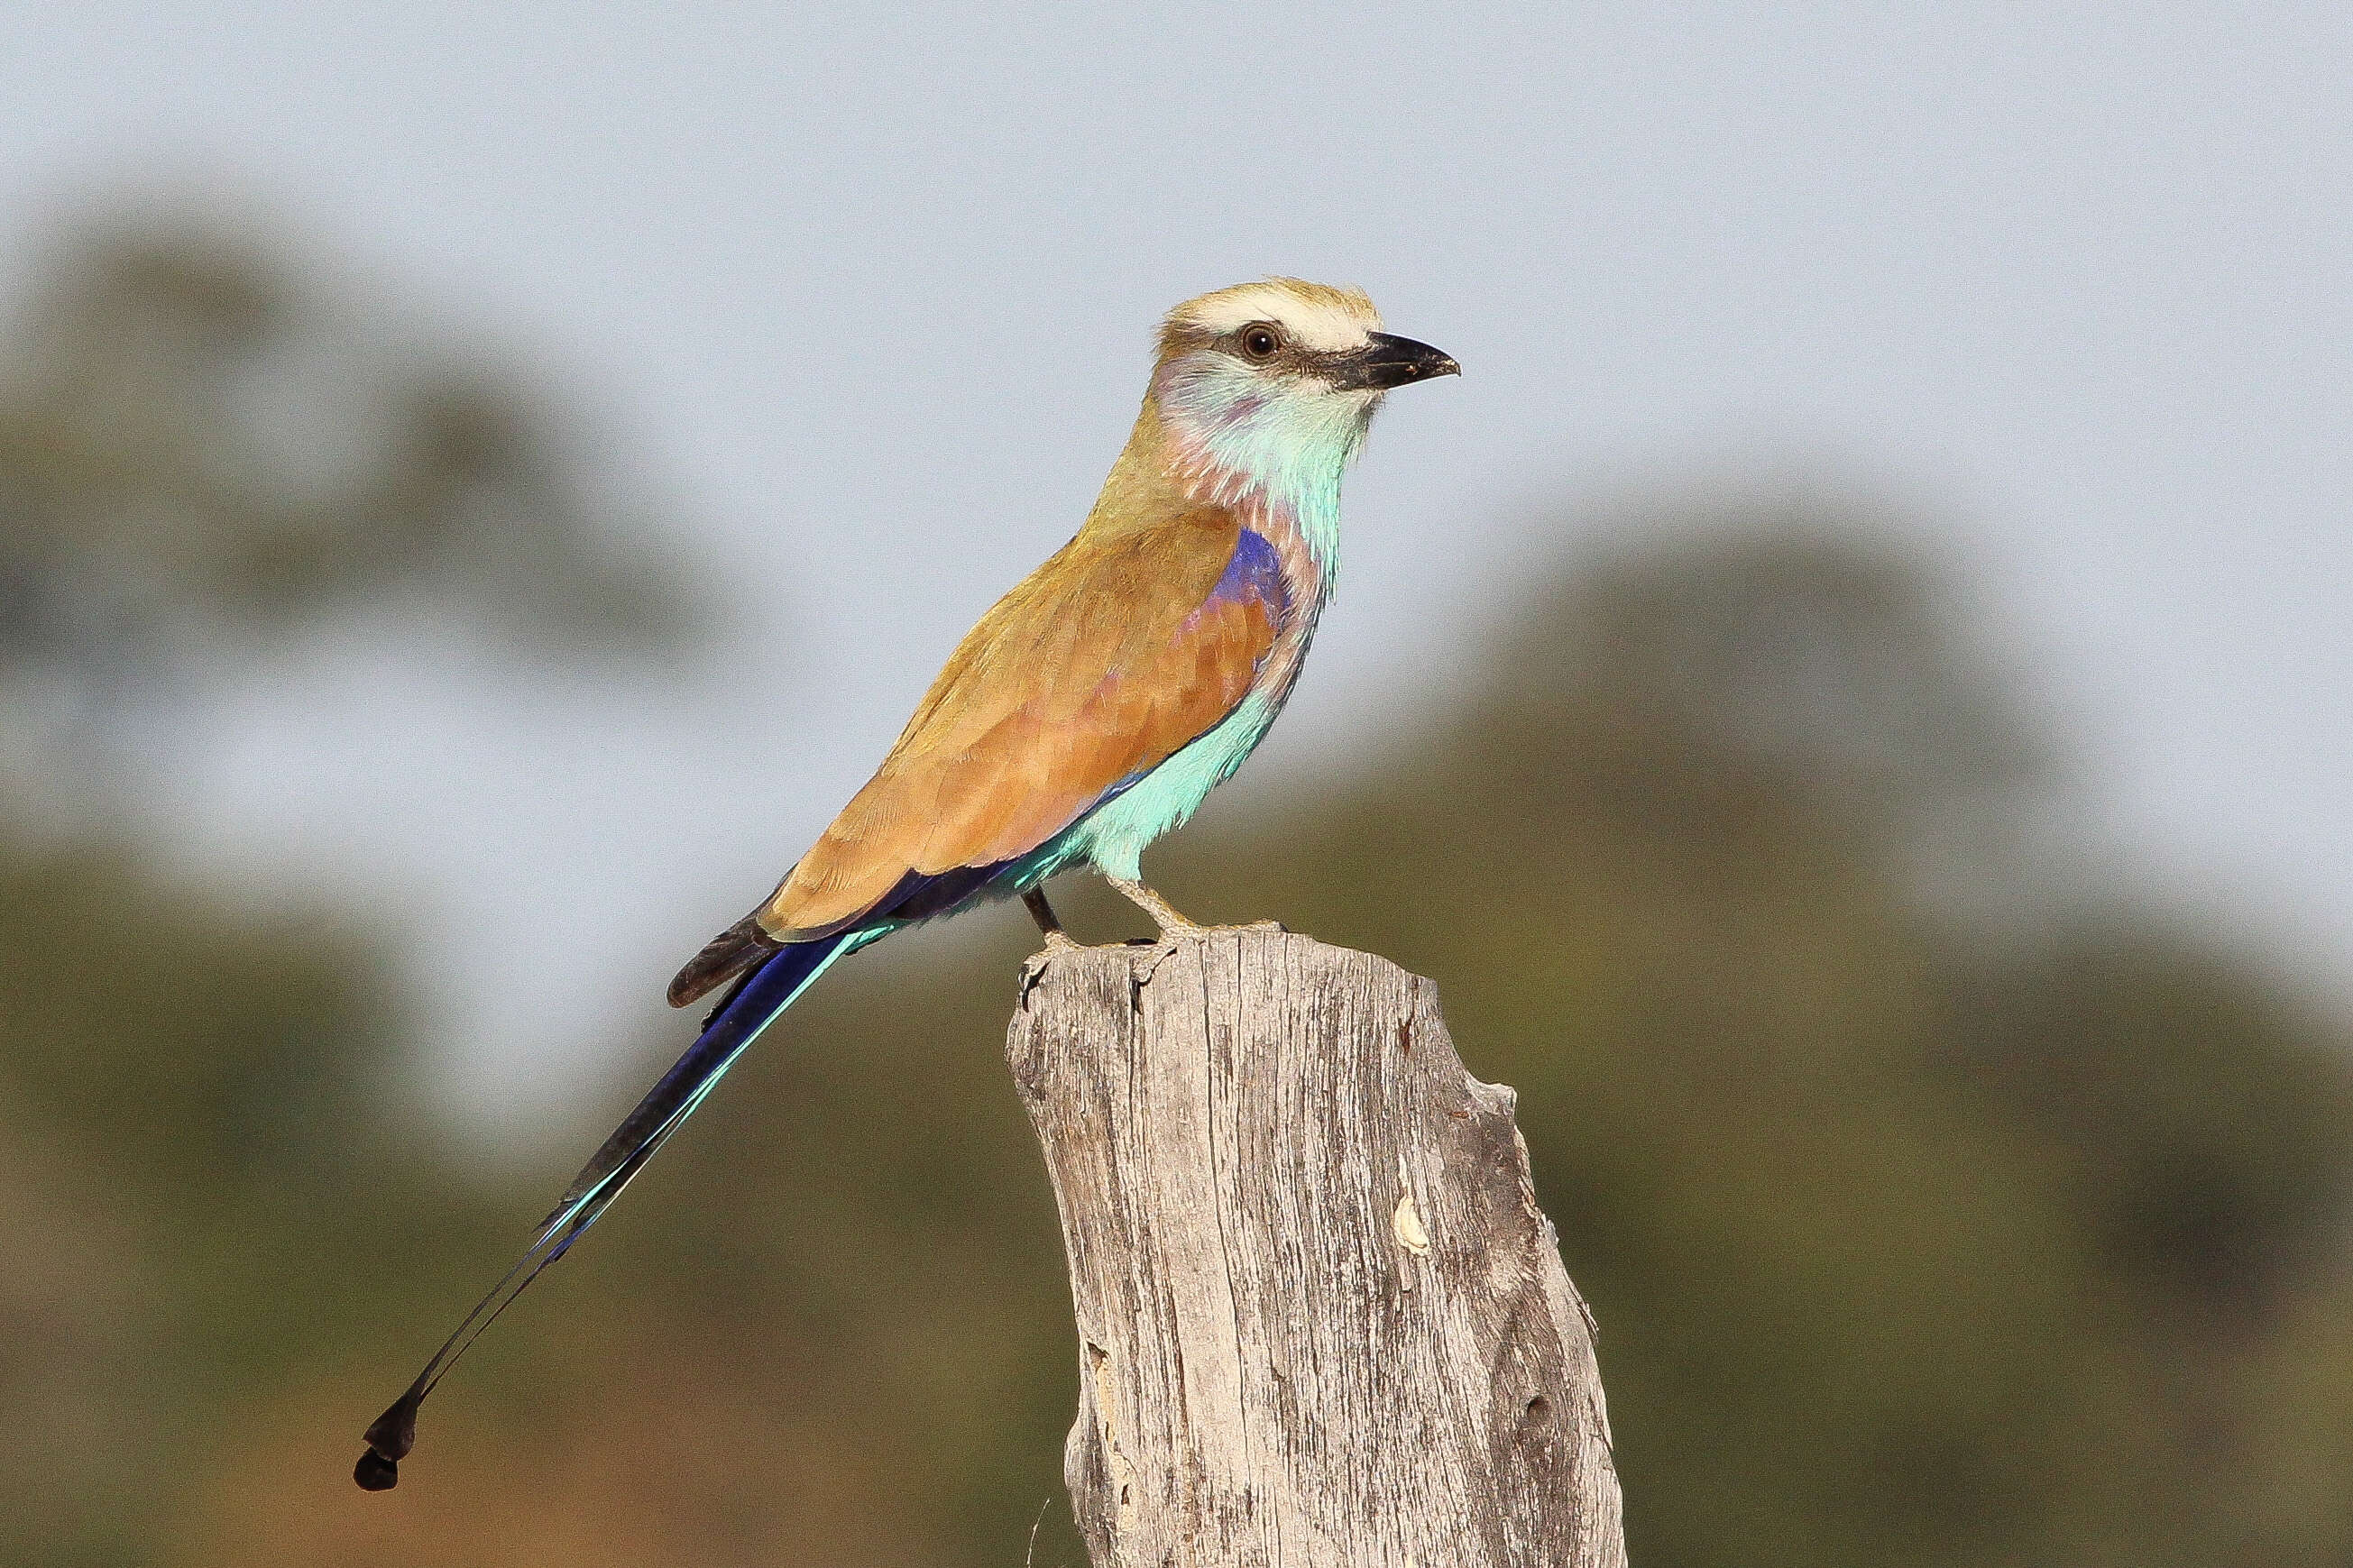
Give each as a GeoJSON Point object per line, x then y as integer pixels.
{"type": "Point", "coordinates": [1090, 711]}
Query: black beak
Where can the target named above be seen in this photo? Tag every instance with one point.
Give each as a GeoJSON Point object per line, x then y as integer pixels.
{"type": "Point", "coordinates": [1387, 362]}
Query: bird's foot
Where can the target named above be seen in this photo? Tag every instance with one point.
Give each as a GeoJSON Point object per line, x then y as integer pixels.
{"type": "Point", "coordinates": [1173, 925]}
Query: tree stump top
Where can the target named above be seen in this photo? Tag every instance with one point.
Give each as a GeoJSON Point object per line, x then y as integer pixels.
{"type": "Point", "coordinates": [1321, 1318]}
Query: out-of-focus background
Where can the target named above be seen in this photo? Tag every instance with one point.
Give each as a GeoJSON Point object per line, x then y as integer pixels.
{"type": "Point", "coordinates": [1846, 697]}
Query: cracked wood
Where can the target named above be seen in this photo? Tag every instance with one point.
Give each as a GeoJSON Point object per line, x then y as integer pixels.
{"type": "Point", "coordinates": [1320, 1318]}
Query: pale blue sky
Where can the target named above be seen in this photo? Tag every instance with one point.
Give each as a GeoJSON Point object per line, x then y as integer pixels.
{"type": "Point", "coordinates": [862, 298]}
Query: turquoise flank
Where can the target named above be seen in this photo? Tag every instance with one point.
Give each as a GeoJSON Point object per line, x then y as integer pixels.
{"type": "Point", "coordinates": [1115, 834]}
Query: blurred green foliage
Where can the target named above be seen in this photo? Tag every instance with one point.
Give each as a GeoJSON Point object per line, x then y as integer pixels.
{"type": "Point", "coordinates": [1929, 1218]}
{"type": "Point", "coordinates": [202, 447]}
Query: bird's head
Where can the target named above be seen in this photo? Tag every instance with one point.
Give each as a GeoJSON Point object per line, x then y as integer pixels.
{"type": "Point", "coordinates": [1270, 385]}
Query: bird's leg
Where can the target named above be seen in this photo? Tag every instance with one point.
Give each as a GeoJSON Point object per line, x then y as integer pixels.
{"type": "Point", "coordinates": [1057, 939]}
{"type": "Point", "coordinates": [1163, 913]}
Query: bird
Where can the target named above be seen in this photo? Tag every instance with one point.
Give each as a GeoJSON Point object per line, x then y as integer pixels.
{"type": "Point", "coordinates": [1088, 713]}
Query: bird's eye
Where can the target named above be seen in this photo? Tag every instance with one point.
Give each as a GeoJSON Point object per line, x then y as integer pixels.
{"type": "Point", "coordinates": [1260, 342]}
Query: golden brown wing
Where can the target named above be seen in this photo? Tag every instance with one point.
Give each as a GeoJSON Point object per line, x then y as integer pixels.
{"type": "Point", "coordinates": [1102, 664]}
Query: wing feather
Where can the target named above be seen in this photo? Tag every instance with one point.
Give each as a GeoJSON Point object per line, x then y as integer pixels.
{"type": "Point", "coordinates": [1099, 666]}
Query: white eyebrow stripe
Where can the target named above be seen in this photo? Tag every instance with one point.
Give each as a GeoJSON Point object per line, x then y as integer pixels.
{"type": "Point", "coordinates": [1313, 324]}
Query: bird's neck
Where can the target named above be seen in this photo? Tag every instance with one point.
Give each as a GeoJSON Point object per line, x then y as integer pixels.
{"type": "Point", "coordinates": [1279, 471]}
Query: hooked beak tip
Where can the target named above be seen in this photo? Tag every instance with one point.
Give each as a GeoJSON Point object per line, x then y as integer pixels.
{"type": "Point", "coordinates": [1389, 362]}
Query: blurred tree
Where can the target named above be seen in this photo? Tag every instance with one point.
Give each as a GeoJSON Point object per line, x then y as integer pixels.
{"type": "Point", "coordinates": [1909, 1246]}
{"type": "Point", "coordinates": [202, 447]}
{"type": "Point", "coordinates": [207, 1195]}
{"type": "Point", "coordinates": [1790, 633]}
{"type": "Point", "coordinates": [205, 1191]}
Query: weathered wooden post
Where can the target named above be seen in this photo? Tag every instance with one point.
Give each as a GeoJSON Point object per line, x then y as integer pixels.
{"type": "Point", "coordinates": [1321, 1319]}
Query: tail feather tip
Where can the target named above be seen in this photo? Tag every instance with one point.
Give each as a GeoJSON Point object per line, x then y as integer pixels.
{"type": "Point", "coordinates": [722, 958]}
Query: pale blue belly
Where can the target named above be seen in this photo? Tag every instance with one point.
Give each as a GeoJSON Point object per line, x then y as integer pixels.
{"type": "Point", "coordinates": [1114, 834]}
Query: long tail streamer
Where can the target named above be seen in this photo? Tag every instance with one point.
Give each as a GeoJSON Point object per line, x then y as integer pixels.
{"type": "Point", "coordinates": [751, 1007]}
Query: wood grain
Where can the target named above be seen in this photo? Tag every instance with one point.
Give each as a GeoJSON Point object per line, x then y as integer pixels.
{"type": "Point", "coordinates": [1320, 1318]}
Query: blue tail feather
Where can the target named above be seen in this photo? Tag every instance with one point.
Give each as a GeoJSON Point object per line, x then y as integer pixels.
{"type": "Point", "coordinates": [753, 1004]}
{"type": "Point", "coordinates": [764, 992]}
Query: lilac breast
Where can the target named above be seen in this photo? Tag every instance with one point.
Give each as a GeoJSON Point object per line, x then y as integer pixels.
{"type": "Point", "coordinates": [1254, 574]}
